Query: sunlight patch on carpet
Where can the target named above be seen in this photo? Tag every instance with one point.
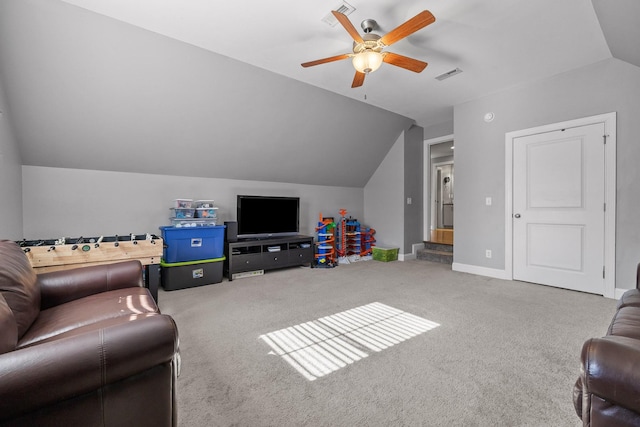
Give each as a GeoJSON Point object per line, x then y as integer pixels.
{"type": "Point", "coordinates": [325, 345]}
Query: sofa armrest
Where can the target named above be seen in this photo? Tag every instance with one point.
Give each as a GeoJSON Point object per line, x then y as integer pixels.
{"type": "Point", "coordinates": [44, 374]}
{"type": "Point", "coordinates": [59, 287]}
{"type": "Point", "coordinates": [611, 370]}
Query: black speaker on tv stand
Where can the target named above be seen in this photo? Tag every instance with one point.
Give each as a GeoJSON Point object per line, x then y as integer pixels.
{"type": "Point", "coordinates": [231, 232]}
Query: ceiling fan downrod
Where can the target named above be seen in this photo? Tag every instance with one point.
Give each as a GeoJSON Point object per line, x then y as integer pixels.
{"type": "Point", "coordinates": [368, 25]}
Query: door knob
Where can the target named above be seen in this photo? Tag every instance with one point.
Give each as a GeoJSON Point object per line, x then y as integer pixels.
{"type": "Point", "coordinates": [517, 215]}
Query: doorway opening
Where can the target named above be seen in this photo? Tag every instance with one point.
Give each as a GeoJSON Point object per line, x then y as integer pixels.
{"type": "Point", "coordinates": [441, 199]}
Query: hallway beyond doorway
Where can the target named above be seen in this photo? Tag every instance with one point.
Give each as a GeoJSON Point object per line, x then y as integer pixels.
{"type": "Point", "coordinates": [442, 235]}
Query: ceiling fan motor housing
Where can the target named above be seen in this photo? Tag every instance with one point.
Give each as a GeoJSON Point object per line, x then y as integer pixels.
{"type": "Point", "coordinates": [368, 25]}
{"type": "Point", "coordinates": [370, 43]}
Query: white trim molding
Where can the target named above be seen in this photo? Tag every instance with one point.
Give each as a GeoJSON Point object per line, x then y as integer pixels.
{"type": "Point", "coordinates": [406, 257]}
{"type": "Point", "coordinates": [414, 252]}
{"type": "Point", "coordinates": [609, 121]}
{"type": "Point", "coordinates": [480, 271]}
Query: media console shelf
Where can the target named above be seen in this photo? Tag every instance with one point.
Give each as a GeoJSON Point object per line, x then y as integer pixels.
{"type": "Point", "coordinates": [267, 254]}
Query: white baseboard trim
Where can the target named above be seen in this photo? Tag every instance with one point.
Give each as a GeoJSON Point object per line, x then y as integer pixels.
{"type": "Point", "coordinates": [406, 257]}
{"type": "Point", "coordinates": [502, 274]}
{"type": "Point", "coordinates": [480, 271]}
{"type": "Point", "coordinates": [413, 254]}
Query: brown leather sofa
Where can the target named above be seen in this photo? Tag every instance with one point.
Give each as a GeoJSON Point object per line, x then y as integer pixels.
{"type": "Point", "coordinates": [607, 393]}
{"type": "Point", "coordinates": [83, 347]}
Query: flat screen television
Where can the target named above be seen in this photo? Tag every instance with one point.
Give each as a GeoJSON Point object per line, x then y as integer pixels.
{"type": "Point", "coordinates": [267, 216]}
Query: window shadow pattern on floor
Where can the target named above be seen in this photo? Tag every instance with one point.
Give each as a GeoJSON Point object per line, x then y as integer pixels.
{"type": "Point", "coordinates": [322, 346]}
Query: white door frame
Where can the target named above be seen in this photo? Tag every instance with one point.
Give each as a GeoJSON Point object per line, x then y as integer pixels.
{"type": "Point", "coordinates": [427, 182]}
{"type": "Point", "coordinates": [609, 121]}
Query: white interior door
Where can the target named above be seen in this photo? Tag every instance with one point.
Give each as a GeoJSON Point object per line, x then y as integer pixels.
{"type": "Point", "coordinates": [558, 208]}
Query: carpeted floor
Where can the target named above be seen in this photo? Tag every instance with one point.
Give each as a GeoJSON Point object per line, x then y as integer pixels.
{"type": "Point", "coordinates": [505, 353]}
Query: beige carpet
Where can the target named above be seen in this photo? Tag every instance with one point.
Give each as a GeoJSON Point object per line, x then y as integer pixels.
{"type": "Point", "coordinates": [503, 354]}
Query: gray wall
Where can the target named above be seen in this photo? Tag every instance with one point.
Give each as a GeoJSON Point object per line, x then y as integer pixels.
{"type": "Point", "coordinates": [10, 177]}
{"type": "Point", "coordinates": [74, 202]}
{"type": "Point", "coordinates": [399, 176]}
{"type": "Point", "coordinates": [438, 130]}
{"type": "Point", "coordinates": [384, 198]}
{"type": "Point", "coordinates": [606, 86]}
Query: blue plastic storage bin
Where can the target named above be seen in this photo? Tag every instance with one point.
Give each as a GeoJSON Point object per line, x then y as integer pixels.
{"type": "Point", "coordinates": [192, 243]}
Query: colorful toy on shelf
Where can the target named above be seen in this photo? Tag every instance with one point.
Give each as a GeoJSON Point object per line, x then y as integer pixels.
{"type": "Point", "coordinates": [325, 245]}
{"type": "Point", "coordinates": [367, 241]}
{"type": "Point", "coordinates": [355, 243]}
{"type": "Point", "coordinates": [342, 238]}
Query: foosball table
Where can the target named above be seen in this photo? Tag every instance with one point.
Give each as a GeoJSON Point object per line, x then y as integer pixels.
{"type": "Point", "coordinates": [61, 254]}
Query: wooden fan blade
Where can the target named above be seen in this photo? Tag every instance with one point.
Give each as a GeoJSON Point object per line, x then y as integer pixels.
{"type": "Point", "coordinates": [419, 21]}
{"type": "Point", "coordinates": [325, 60]}
{"type": "Point", "coordinates": [358, 79]}
{"type": "Point", "coordinates": [404, 62]}
{"type": "Point", "coordinates": [342, 18]}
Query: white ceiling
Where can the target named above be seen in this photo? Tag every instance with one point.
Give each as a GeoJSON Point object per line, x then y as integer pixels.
{"type": "Point", "coordinates": [497, 43]}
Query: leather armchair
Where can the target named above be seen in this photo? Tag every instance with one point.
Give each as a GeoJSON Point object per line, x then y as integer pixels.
{"type": "Point", "coordinates": [83, 347]}
{"type": "Point", "coordinates": [607, 393]}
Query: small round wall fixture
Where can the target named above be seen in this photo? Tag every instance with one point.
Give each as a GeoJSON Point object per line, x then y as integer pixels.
{"type": "Point", "coordinates": [488, 117]}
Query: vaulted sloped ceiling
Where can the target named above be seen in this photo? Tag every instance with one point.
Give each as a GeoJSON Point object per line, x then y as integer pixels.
{"type": "Point", "coordinates": [497, 43]}
{"type": "Point", "coordinates": [211, 89]}
{"type": "Point", "coordinates": [619, 22]}
{"type": "Point", "coordinates": [86, 91]}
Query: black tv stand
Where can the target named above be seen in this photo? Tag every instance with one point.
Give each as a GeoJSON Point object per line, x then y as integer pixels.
{"type": "Point", "coordinates": [248, 255]}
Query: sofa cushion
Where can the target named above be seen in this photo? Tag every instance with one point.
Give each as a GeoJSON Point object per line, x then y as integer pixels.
{"type": "Point", "coordinates": [18, 285]}
{"type": "Point", "coordinates": [8, 328]}
{"type": "Point", "coordinates": [63, 318]}
{"type": "Point", "coordinates": [626, 323]}
{"type": "Point", "coordinates": [106, 323]}
{"type": "Point", "coordinates": [630, 298]}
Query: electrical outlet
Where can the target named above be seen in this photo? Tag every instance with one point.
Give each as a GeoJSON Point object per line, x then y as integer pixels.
{"type": "Point", "coordinates": [487, 253]}
{"type": "Point", "coordinates": [488, 201]}
{"type": "Point", "coordinates": [409, 200]}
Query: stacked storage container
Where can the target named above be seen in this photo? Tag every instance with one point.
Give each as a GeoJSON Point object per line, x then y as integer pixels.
{"type": "Point", "coordinates": [193, 251]}
{"type": "Point", "coordinates": [206, 212]}
{"type": "Point", "coordinates": [187, 213]}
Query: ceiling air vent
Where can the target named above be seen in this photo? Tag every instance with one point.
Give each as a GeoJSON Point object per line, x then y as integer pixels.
{"type": "Point", "coordinates": [449, 74]}
{"type": "Point", "coordinates": [344, 8]}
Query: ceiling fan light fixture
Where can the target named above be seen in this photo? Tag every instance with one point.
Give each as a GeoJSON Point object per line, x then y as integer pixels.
{"type": "Point", "coordinates": [368, 48]}
{"type": "Point", "coordinates": [367, 61]}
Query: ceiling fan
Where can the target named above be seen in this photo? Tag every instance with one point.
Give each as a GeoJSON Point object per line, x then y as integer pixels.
{"type": "Point", "coordinates": [368, 53]}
